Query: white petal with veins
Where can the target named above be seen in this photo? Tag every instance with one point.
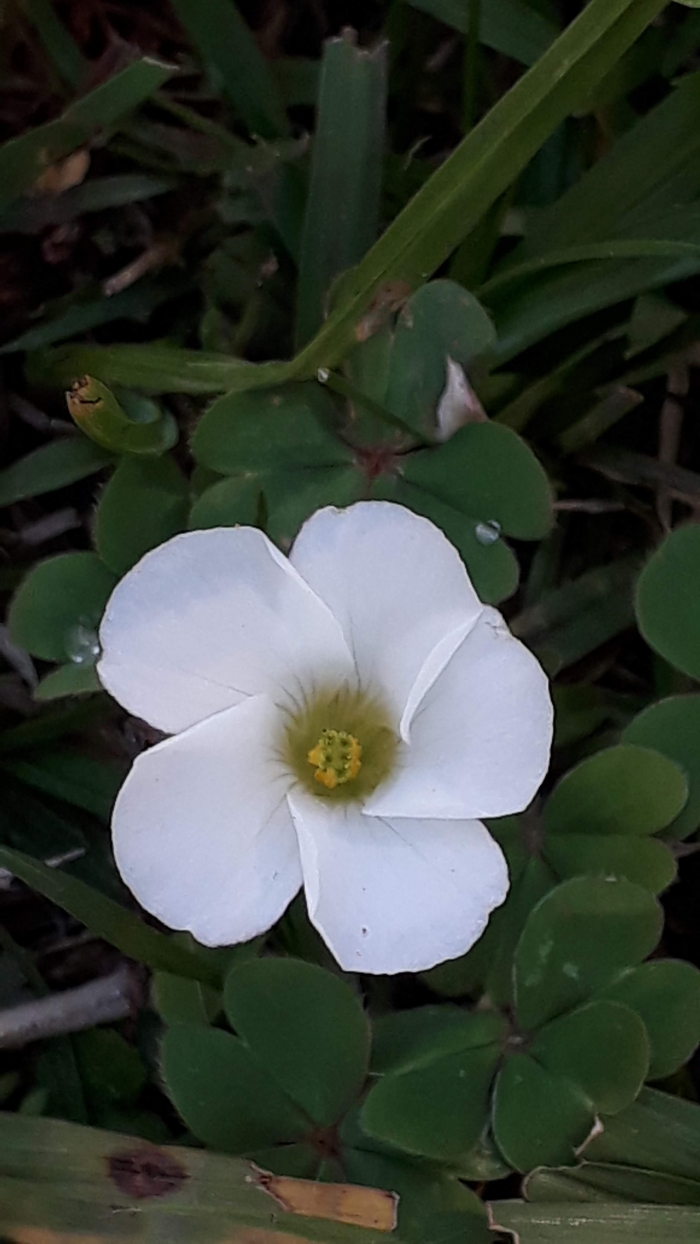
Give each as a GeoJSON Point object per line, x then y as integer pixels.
{"type": "Point", "coordinates": [210, 618]}
{"type": "Point", "coordinates": [202, 831]}
{"type": "Point", "coordinates": [395, 895]}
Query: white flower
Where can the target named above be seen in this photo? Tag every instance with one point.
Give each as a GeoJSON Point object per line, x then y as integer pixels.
{"type": "Point", "coordinates": [340, 720]}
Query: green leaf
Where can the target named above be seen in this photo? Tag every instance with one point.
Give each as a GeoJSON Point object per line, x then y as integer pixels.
{"type": "Point", "coordinates": [109, 920]}
{"type": "Point", "coordinates": [60, 599]}
{"type": "Point", "coordinates": [597, 1182]}
{"type": "Point", "coordinates": [645, 861]}
{"type": "Point", "coordinates": [426, 231]}
{"type": "Point", "coordinates": [539, 1119]}
{"type": "Point", "coordinates": [405, 1040]}
{"type": "Point", "coordinates": [182, 1001]}
{"type": "Point", "coordinates": [433, 1206]}
{"type": "Point", "coordinates": [59, 45]}
{"type": "Point", "coordinates": [228, 48]}
{"type": "Point", "coordinates": [224, 1094]}
{"type": "Point", "coordinates": [439, 1109]}
{"type": "Point", "coordinates": [650, 169]}
{"type": "Point", "coordinates": [56, 465]}
{"type": "Point", "coordinates": [68, 679]}
{"type": "Point", "coordinates": [69, 775]}
{"type": "Point", "coordinates": [86, 309]}
{"type": "Point", "coordinates": [154, 368]}
{"type": "Point", "coordinates": [602, 1048]}
{"type": "Point", "coordinates": [577, 939]}
{"type": "Point", "coordinates": [123, 422]}
{"type": "Point", "coordinates": [233, 502]}
{"type": "Point", "coordinates": [440, 320]}
{"type": "Point", "coordinates": [484, 164]}
{"type": "Point", "coordinates": [284, 499]}
{"type": "Point", "coordinates": [665, 993]}
{"type": "Point", "coordinates": [36, 826]}
{"type": "Point", "coordinates": [488, 967]}
{"type": "Point", "coordinates": [111, 1070]}
{"type": "Point", "coordinates": [50, 726]}
{"type": "Point", "coordinates": [342, 208]}
{"type": "Point", "coordinates": [532, 307]}
{"type": "Point", "coordinates": [672, 727]}
{"type": "Point", "coordinates": [574, 619]}
{"type": "Point", "coordinates": [668, 600]}
{"type": "Point", "coordinates": [628, 1224]}
{"type": "Point", "coordinates": [283, 456]}
{"type": "Point", "coordinates": [24, 159]}
{"type": "Point", "coordinates": [620, 790]}
{"type": "Point", "coordinates": [657, 1132]}
{"type": "Point", "coordinates": [653, 318]}
{"type": "Point", "coordinates": [306, 1027]}
{"type": "Point", "coordinates": [487, 472]}
{"type": "Point", "coordinates": [492, 565]}
{"type": "Point", "coordinates": [276, 428]}
{"type": "Point", "coordinates": [32, 213]}
{"type": "Point", "coordinates": [144, 503]}
{"type": "Point", "coordinates": [512, 27]}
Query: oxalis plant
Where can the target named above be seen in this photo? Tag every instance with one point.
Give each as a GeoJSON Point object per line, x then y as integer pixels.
{"type": "Point", "coordinates": [350, 706]}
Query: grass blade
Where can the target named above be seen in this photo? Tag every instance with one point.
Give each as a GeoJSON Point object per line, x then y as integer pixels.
{"type": "Point", "coordinates": [60, 47]}
{"type": "Point", "coordinates": [24, 159]}
{"type": "Point", "coordinates": [508, 26]}
{"type": "Point", "coordinates": [226, 45]}
{"type": "Point", "coordinates": [109, 920]}
{"type": "Point", "coordinates": [342, 210]}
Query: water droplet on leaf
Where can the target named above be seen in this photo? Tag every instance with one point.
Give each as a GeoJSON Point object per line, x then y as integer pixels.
{"type": "Point", "coordinates": [82, 644]}
{"type": "Point", "coordinates": [488, 533]}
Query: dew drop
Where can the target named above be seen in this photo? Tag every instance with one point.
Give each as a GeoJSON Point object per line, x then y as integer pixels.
{"type": "Point", "coordinates": [322, 375]}
{"type": "Point", "coordinates": [82, 644]}
{"type": "Point", "coordinates": [488, 533]}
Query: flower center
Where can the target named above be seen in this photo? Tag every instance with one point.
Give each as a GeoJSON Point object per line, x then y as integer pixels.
{"type": "Point", "coordinates": [336, 757]}
{"type": "Point", "coordinates": [339, 743]}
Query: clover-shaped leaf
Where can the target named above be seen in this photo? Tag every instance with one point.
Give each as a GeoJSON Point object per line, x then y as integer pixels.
{"type": "Point", "coordinates": [281, 458]}
{"type": "Point", "coordinates": [602, 1047]}
{"type": "Point", "coordinates": [665, 993]}
{"type": "Point", "coordinates": [298, 1061]}
{"type": "Point", "coordinates": [435, 1104]}
{"type": "Point", "coordinates": [600, 816]}
{"type": "Point", "coordinates": [440, 320]}
{"type": "Point", "coordinates": [486, 472]}
{"type": "Point", "coordinates": [144, 503]}
{"type": "Point", "coordinates": [224, 1093]}
{"type": "Point", "coordinates": [576, 940]}
{"type": "Point", "coordinates": [672, 727]}
{"type": "Point", "coordinates": [539, 1118]}
{"type": "Point", "coordinates": [306, 1026]}
{"type": "Point", "coordinates": [621, 790]}
{"type": "Point", "coordinates": [55, 615]}
{"type": "Point", "coordinates": [668, 600]}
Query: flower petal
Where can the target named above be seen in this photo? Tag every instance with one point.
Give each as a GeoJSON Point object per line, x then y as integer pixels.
{"type": "Point", "coordinates": [396, 585]}
{"type": "Point", "coordinates": [395, 896]}
{"type": "Point", "coordinates": [480, 737]}
{"type": "Point", "coordinates": [208, 619]}
{"type": "Point", "coordinates": [202, 831]}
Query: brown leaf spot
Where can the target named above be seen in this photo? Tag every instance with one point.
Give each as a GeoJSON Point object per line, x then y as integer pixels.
{"type": "Point", "coordinates": [146, 1172]}
{"type": "Point", "coordinates": [388, 299]}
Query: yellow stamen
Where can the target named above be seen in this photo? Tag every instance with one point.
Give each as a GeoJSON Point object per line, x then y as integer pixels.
{"type": "Point", "coordinates": [336, 758]}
